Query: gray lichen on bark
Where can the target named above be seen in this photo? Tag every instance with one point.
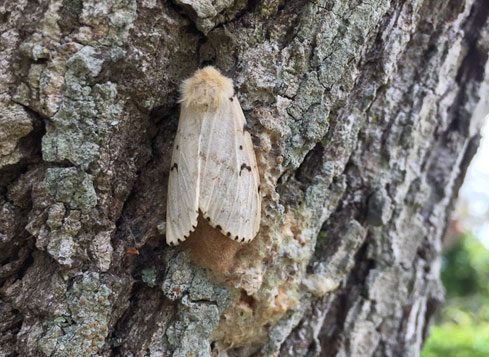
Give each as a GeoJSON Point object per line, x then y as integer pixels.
{"type": "Point", "coordinates": [364, 117]}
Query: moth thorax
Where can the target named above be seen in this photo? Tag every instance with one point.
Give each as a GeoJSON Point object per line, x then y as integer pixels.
{"type": "Point", "coordinates": [206, 90]}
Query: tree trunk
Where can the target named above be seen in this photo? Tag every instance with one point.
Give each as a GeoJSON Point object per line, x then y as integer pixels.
{"type": "Point", "coordinates": [364, 117]}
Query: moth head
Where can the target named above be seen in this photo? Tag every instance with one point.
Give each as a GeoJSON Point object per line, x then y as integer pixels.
{"type": "Point", "coordinates": [206, 90]}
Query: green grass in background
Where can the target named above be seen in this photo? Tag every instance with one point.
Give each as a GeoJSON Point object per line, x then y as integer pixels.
{"type": "Point", "coordinates": [462, 329]}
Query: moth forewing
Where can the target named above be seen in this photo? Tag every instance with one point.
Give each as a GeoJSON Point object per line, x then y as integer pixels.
{"type": "Point", "coordinates": [253, 190]}
{"type": "Point", "coordinates": [229, 178]}
{"type": "Point", "coordinates": [183, 184]}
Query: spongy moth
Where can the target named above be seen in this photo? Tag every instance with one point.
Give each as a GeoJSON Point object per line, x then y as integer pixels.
{"type": "Point", "coordinates": [213, 168]}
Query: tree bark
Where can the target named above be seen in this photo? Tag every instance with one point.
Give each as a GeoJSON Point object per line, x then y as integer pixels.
{"type": "Point", "coordinates": [364, 117]}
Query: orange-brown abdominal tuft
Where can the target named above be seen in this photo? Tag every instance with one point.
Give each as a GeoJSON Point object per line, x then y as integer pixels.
{"type": "Point", "coordinates": [209, 248]}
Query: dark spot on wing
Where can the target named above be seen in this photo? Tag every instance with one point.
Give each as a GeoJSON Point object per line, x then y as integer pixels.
{"type": "Point", "coordinates": [241, 147]}
{"type": "Point", "coordinates": [229, 234]}
{"type": "Point", "coordinates": [175, 166]}
{"type": "Point", "coordinates": [259, 188]}
{"type": "Point", "coordinates": [177, 147]}
{"type": "Point", "coordinates": [244, 166]}
{"type": "Point", "coordinates": [208, 219]}
{"type": "Point", "coordinates": [242, 239]}
{"type": "Point", "coordinates": [231, 99]}
{"type": "Point", "coordinates": [219, 227]}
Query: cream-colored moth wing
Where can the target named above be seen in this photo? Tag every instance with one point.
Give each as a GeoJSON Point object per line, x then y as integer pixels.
{"type": "Point", "coordinates": [183, 185]}
{"type": "Point", "coordinates": [229, 182]}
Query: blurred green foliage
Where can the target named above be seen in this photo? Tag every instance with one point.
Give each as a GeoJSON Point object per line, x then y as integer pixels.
{"type": "Point", "coordinates": [462, 329]}
{"type": "Point", "coordinates": [465, 268]}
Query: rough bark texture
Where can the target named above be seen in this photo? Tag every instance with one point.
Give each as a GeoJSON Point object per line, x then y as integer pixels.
{"type": "Point", "coordinates": [364, 116]}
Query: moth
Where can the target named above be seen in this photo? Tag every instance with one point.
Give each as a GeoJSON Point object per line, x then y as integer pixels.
{"type": "Point", "coordinates": [213, 168]}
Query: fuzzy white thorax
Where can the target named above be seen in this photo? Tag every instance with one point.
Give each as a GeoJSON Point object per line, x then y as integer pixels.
{"type": "Point", "coordinates": [206, 89]}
